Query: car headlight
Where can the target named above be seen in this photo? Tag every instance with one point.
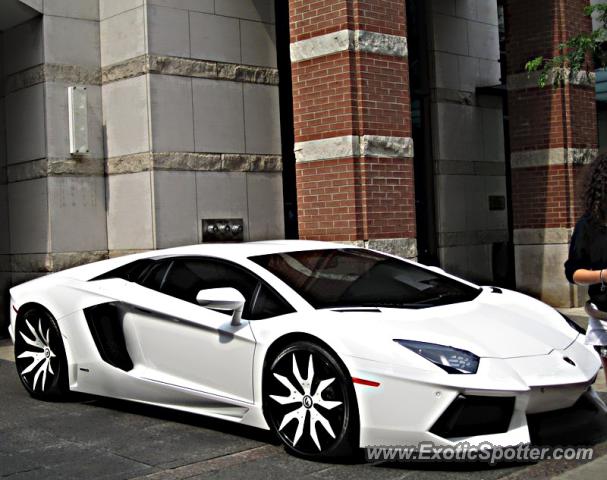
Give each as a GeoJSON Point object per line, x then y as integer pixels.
{"type": "Point", "coordinates": [452, 360]}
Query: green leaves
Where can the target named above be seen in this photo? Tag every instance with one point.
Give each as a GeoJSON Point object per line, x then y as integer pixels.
{"type": "Point", "coordinates": [576, 55]}
{"type": "Point", "coordinates": [599, 10]}
{"type": "Point", "coordinates": [538, 63]}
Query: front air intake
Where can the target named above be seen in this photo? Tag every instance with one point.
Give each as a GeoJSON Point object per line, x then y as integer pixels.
{"type": "Point", "coordinates": [469, 416]}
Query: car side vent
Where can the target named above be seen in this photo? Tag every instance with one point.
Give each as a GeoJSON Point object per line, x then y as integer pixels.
{"type": "Point", "coordinates": [468, 416]}
{"type": "Point", "coordinates": [105, 324]}
{"type": "Point", "coordinates": [496, 290]}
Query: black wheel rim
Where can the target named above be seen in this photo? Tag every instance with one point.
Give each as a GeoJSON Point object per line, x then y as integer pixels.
{"type": "Point", "coordinates": [37, 352]}
{"type": "Point", "coordinates": [306, 400]}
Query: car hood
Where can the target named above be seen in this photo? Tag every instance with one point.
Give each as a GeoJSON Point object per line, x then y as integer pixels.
{"type": "Point", "coordinates": [498, 325]}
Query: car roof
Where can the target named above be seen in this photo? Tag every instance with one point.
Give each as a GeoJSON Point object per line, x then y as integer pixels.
{"type": "Point", "coordinates": [238, 251]}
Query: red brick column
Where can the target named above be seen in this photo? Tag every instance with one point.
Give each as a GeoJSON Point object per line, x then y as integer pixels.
{"type": "Point", "coordinates": [353, 122]}
{"type": "Point", "coordinates": [553, 132]}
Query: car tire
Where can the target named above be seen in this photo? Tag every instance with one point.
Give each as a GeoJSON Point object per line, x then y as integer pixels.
{"type": "Point", "coordinates": [40, 355]}
{"type": "Point", "coordinates": [309, 402]}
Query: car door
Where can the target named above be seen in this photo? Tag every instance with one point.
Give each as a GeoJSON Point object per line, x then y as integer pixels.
{"type": "Point", "coordinates": [174, 340]}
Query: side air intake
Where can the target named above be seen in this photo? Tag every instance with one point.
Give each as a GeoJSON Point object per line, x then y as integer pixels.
{"type": "Point", "coordinates": [105, 324]}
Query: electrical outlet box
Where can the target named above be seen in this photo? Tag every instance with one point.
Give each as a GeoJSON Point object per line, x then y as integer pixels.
{"type": "Point", "coordinates": [224, 230]}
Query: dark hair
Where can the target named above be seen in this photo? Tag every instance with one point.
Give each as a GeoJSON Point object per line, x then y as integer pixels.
{"type": "Point", "coordinates": [595, 191]}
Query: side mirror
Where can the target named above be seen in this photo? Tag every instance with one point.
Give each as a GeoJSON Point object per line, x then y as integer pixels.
{"type": "Point", "coordinates": [225, 299]}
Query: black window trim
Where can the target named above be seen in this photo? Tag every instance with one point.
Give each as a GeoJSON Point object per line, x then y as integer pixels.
{"type": "Point", "coordinates": [260, 281]}
{"type": "Point", "coordinates": [171, 259]}
{"type": "Point", "coordinates": [253, 258]}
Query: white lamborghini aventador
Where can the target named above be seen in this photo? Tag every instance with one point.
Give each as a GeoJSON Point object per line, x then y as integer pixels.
{"type": "Point", "coordinates": [330, 346]}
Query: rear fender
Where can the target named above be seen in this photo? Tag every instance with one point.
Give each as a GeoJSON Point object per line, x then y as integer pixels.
{"type": "Point", "coordinates": [65, 296]}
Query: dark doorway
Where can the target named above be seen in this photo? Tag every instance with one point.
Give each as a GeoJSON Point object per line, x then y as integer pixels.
{"type": "Point", "coordinates": [419, 80]}
{"type": "Point", "coordinates": [283, 45]}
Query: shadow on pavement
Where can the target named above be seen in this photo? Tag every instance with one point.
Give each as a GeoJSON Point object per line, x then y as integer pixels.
{"type": "Point", "coordinates": [581, 425]}
{"type": "Point", "coordinates": [184, 418]}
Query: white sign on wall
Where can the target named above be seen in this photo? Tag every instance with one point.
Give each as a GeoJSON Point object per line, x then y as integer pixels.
{"type": "Point", "coordinates": [78, 120]}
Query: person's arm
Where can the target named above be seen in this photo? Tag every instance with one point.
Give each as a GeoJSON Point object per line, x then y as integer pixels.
{"type": "Point", "coordinates": [578, 265]}
{"type": "Point", "coordinates": [589, 277]}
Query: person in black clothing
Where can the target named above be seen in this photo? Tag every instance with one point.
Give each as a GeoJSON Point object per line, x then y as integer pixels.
{"type": "Point", "coordinates": [587, 262]}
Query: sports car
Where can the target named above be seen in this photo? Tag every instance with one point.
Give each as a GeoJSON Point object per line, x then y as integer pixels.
{"type": "Point", "coordinates": [332, 347]}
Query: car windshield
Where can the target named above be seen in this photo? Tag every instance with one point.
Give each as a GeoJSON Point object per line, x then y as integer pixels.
{"type": "Point", "coordinates": [354, 277]}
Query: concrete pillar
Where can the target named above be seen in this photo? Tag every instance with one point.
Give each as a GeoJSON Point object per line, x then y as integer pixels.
{"type": "Point", "coordinates": [56, 200]}
{"type": "Point", "coordinates": [190, 102]}
{"type": "Point", "coordinates": [183, 124]}
{"type": "Point", "coordinates": [553, 134]}
{"type": "Point", "coordinates": [353, 123]}
{"type": "Point", "coordinates": [468, 139]}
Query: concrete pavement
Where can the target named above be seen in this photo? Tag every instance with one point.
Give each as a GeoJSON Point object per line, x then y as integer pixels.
{"type": "Point", "coordinates": [6, 351]}
{"type": "Point", "coordinates": [590, 471]}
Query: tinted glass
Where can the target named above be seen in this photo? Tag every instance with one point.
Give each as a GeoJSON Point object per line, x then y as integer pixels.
{"type": "Point", "coordinates": [130, 272]}
{"type": "Point", "coordinates": [360, 278]}
{"type": "Point", "coordinates": [188, 276]}
{"type": "Point", "coordinates": [154, 275]}
{"type": "Point", "coordinates": [269, 304]}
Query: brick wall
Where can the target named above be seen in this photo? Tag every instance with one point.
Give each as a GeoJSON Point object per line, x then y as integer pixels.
{"type": "Point", "coordinates": [312, 18]}
{"type": "Point", "coordinates": [538, 27]}
{"type": "Point", "coordinates": [552, 118]}
{"type": "Point", "coordinates": [553, 132]}
{"type": "Point", "coordinates": [350, 92]}
{"type": "Point", "coordinates": [383, 89]}
{"type": "Point", "coordinates": [546, 197]}
{"type": "Point", "coordinates": [324, 97]}
{"type": "Point", "coordinates": [349, 200]}
{"type": "Point", "coordinates": [543, 120]}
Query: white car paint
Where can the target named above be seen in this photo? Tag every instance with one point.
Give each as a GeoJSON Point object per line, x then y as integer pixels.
{"type": "Point", "coordinates": [190, 358]}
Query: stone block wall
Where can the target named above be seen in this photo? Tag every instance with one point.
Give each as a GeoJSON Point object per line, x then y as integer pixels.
{"type": "Point", "coordinates": [190, 105]}
{"type": "Point", "coordinates": [56, 201]}
{"type": "Point", "coordinates": [468, 137]}
{"type": "Point", "coordinates": [183, 124]}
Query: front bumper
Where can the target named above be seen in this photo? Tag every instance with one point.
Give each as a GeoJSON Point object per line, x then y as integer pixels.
{"type": "Point", "coordinates": [406, 407]}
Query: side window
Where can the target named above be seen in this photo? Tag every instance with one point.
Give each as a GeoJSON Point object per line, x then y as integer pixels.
{"type": "Point", "coordinates": [154, 276]}
{"type": "Point", "coordinates": [187, 277]}
{"type": "Point", "coordinates": [130, 272]}
{"type": "Point", "coordinates": [269, 304]}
